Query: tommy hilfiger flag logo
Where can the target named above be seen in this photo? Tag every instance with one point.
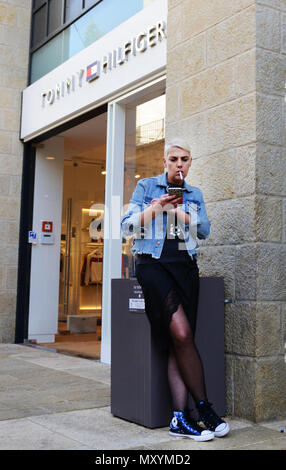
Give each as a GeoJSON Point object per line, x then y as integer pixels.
{"type": "Point", "coordinates": [93, 71]}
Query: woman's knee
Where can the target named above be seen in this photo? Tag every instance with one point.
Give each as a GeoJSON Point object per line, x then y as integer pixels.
{"type": "Point", "coordinates": [181, 333]}
{"type": "Point", "coordinates": [182, 337]}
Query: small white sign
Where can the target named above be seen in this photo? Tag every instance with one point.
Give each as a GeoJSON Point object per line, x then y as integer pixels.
{"type": "Point", "coordinates": [32, 237]}
{"type": "Point", "coordinates": [136, 304]}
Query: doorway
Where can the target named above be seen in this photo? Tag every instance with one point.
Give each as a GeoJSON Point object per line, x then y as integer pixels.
{"type": "Point", "coordinates": [72, 268]}
{"type": "Point", "coordinates": [82, 240]}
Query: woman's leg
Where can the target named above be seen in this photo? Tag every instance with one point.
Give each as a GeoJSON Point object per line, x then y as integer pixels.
{"type": "Point", "coordinates": [189, 363]}
{"type": "Point", "coordinates": [178, 388]}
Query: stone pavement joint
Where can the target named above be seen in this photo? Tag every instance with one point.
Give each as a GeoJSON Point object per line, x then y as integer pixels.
{"type": "Point", "coordinates": [51, 401]}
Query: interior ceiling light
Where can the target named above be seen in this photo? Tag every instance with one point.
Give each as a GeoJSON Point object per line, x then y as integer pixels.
{"type": "Point", "coordinates": [137, 176]}
{"type": "Point", "coordinates": [50, 158]}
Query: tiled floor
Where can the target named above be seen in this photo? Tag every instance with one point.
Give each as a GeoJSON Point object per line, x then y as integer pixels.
{"type": "Point", "coordinates": [53, 401]}
{"type": "Point", "coordinates": [85, 345]}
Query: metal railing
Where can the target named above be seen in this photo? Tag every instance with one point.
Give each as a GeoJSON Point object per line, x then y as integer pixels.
{"type": "Point", "coordinates": [150, 132]}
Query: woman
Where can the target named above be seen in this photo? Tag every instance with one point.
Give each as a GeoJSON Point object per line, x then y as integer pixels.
{"type": "Point", "coordinates": [166, 228]}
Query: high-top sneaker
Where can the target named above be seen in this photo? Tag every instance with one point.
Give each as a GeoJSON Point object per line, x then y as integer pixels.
{"type": "Point", "coordinates": [181, 427]}
{"type": "Point", "coordinates": [211, 420]}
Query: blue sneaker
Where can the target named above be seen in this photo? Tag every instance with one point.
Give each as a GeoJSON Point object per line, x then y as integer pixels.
{"type": "Point", "coordinates": [182, 427]}
{"type": "Point", "coordinates": [211, 420]}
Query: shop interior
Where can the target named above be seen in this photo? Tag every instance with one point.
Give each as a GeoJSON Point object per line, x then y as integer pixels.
{"type": "Point", "coordinates": [82, 231]}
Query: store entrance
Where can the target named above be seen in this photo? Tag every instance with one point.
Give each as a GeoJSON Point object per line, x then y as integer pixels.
{"type": "Point", "coordinates": [81, 246]}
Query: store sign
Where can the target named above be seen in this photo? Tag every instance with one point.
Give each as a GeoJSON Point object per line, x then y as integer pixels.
{"type": "Point", "coordinates": [118, 57]}
{"type": "Point", "coordinates": [132, 52]}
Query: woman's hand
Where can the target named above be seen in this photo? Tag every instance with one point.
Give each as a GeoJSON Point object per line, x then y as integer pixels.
{"type": "Point", "coordinates": [166, 202]}
{"type": "Point", "coordinates": [158, 205]}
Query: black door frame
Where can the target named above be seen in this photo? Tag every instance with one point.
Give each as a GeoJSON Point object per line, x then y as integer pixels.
{"type": "Point", "coordinates": [24, 257]}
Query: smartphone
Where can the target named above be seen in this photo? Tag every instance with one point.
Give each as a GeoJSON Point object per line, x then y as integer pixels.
{"type": "Point", "coordinates": [175, 191]}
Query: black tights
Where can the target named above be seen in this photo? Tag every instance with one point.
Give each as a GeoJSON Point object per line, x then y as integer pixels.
{"type": "Point", "coordinates": [185, 369]}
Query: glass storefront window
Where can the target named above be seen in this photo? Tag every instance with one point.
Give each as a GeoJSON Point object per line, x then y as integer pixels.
{"type": "Point", "coordinates": [144, 151]}
{"type": "Point", "coordinates": [97, 22]}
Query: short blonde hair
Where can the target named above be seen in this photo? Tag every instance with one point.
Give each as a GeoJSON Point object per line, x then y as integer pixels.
{"type": "Point", "coordinates": [180, 143]}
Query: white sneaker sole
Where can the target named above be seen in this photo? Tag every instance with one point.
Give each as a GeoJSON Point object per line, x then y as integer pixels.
{"type": "Point", "coordinates": [205, 436]}
{"type": "Point", "coordinates": [222, 430]}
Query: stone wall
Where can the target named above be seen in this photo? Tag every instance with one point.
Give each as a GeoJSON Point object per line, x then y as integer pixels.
{"type": "Point", "coordinates": [225, 88]}
{"type": "Point", "coordinates": [14, 49]}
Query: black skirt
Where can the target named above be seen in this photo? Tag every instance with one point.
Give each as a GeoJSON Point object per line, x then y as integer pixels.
{"type": "Point", "coordinates": [167, 282]}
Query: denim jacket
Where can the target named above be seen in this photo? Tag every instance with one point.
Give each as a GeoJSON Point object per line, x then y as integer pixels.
{"type": "Point", "coordinates": [150, 239]}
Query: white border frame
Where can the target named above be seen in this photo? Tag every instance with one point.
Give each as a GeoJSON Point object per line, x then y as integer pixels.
{"type": "Point", "coordinates": [114, 184]}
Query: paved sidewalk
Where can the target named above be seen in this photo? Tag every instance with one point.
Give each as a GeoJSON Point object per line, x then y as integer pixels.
{"type": "Point", "coordinates": [50, 401]}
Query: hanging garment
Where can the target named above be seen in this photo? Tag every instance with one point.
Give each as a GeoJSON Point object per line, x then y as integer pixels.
{"type": "Point", "coordinates": [95, 270]}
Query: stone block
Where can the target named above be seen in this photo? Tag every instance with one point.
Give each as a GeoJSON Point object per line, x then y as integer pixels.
{"type": "Point", "coordinates": [12, 252]}
{"type": "Point", "coordinates": [231, 124]}
{"type": "Point", "coordinates": [10, 165]}
{"type": "Point", "coordinates": [225, 175]}
{"type": "Point", "coordinates": [269, 121]}
{"type": "Point", "coordinates": [7, 303]}
{"type": "Point", "coordinates": [284, 221]}
{"type": "Point", "coordinates": [245, 272]}
{"type": "Point", "coordinates": [5, 144]}
{"type": "Point", "coordinates": [194, 130]}
{"type": "Point", "coordinates": [244, 382]}
{"type": "Point", "coordinates": [253, 329]}
{"type": "Point", "coordinates": [13, 231]}
{"type": "Point", "coordinates": [271, 170]}
{"type": "Point", "coordinates": [219, 261]}
{"type": "Point", "coordinates": [175, 31]}
{"type": "Point", "coordinates": [229, 383]}
{"type": "Point", "coordinates": [246, 82]}
{"type": "Point", "coordinates": [194, 57]}
{"type": "Point", "coordinates": [231, 37]}
{"type": "Point", "coordinates": [283, 320]}
{"type": "Point", "coordinates": [9, 208]}
{"type": "Point", "coordinates": [9, 253]}
{"type": "Point", "coordinates": [12, 56]}
{"type": "Point", "coordinates": [14, 78]}
{"type": "Point", "coordinates": [270, 401]}
{"type": "Point", "coordinates": [10, 120]}
{"type": "Point", "coordinates": [15, 186]}
{"type": "Point", "coordinates": [240, 328]}
{"type": "Point", "coordinates": [279, 4]}
{"type": "Point", "coordinates": [244, 170]}
{"type": "Point", "coordinates": [7, 328]}
{"type": "Point", "coordinates": [232, 221]}
{"type": "Point", "coordinates": [198, 16]}
{"type": "Point", "coordinates": [271, 272]}
{"type": "Point", "coordinates": [175, 65]}
{"type": "Point", "coordinates": [17, 146]}
{"type": "Point", "coordinates": [21, 3]}
{"type": "Point", "coordinates": [268, 329]}
{"type": "Point", "coordinates": [283, 34]}
{"type": "Point", "coordinates": [8, 14]}
{"type": "Point", "coordinates": [7, 98]}
{"type": "Point", "coordinates": [173, 3]}
{"type": "Point", "coordinates": [208, 88]}
{"type": "Point", "coordinates": [2, 276]}
{"type": "Point", "coordinates": [4, 185]}
{"type": "Point", "coordinates": [268, 28]}
{"type": "Point", "coordinates": [11, 278]}
{"type": "Point", "coordinates": [270, 72]}
{"type": "Point", "coordinates": [173, 100]}
{"type": "Point", "coordinates": [268, 219]}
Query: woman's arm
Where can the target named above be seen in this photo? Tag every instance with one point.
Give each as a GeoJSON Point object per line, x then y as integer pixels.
{"type": "Point", "coordinates": [182, 216]}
